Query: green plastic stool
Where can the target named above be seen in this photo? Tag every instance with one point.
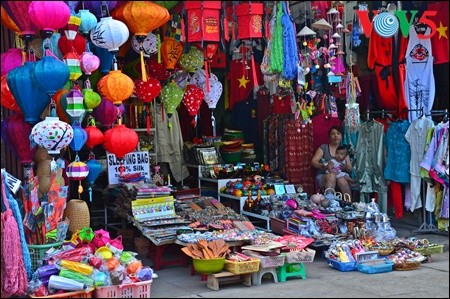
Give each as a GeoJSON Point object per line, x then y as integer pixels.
{"type": "Point", "coordinates": [290, 270]}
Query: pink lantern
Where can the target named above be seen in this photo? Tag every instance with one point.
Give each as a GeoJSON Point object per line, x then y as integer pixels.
{"type": "Point", "coordinates": [49, 15]}
{"type": "Point", "coordinates": [16, 132]}
{"type": "Point", "coordinates": [11, 59]}
{"type": "Point", "coordinates": [52, 134]}
{"type": "Point", "coordinates": [89, 63]}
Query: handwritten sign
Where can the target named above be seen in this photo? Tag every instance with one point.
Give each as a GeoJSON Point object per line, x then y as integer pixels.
{"type": "Point", "coordinates": [134, 162]}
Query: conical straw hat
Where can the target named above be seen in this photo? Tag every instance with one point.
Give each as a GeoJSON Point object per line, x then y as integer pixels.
{"type": "Point", "coordinates": [322, 24]}
{"type": "Point", "coordinates": [306, 31]}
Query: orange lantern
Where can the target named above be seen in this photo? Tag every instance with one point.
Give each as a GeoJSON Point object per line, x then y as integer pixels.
{"type": "Point", "coordinates": [115, 87]}
{"type": "Point", "coordinates": [8, 100]}
{"type": "Point", "coordinates": [171, 50]}
{"type": "Point", "coordinates": [142, 17]}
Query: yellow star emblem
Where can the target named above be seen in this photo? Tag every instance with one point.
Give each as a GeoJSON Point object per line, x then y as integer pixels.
{"type": "Point", "coordinates": [442, 30]}
{"type": "Point", "coordinates": [243, 82]}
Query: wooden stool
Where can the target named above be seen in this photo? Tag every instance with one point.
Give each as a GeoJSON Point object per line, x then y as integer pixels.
{"type": "Point", "coordinates": [227, 277]}
{"type": "Point", "coordinates": [257, 276]}
{"type": "Point", "coordinates": [290, 270]}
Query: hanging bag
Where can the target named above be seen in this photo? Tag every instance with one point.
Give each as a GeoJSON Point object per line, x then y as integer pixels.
{"type": "Point", "coordinates": [352, 116]}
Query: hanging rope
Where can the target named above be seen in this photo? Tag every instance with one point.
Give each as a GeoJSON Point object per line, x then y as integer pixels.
{"type": "Point", "coordinates": [290, 60]}
{"type": "Point", "coordinates": [276, 58]}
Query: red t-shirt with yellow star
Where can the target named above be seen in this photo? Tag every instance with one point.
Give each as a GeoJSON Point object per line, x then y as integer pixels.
{"type": "Point", "coordinates": [241, 80]}
{"type": "Point", "coordinates": [439, 41]}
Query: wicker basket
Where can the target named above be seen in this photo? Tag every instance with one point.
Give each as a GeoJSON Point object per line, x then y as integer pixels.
{"type": "Point", "coordinates": [406, 266]}
{"type": "Point", "coordinates": [76, 294]}
{"type": "Point", "coordinates": [383, 250]}
{"type": "Point", "coordinates": [266, 261]}
{"type": "Point", "coordinates": [303, 256]}
{"type": "Point", "coordinates": [250, 266]}
{"type": "Point", "coordinates": [78, 213]}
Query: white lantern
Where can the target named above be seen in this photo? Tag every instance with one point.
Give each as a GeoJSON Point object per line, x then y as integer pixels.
{"type": "Point", "coordinates": [52, 134]}
{"type": "Point", "coordinates": [109, 34]}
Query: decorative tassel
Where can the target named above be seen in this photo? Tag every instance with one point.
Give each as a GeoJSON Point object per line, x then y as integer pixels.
{"type": "Point", "coordinates": [80, 189]}
{"type": "Point", "coordinates": [255, 77]}
{"type": "Point", "coordinates": [90, 194]}
{"type": "Point", "coordinates": [206, 76]}
{"type": "Point", "coordinates": [147, 117]}
{"type": "Point", "coordinates": [53, 165]}
{"type": "Point", "coordinates": [213, 122]}
{"type": "Point", "coordinates": [143, 70]}
{"type": "Point", "coordinates": [194, 121]}
{"type": "Point", "coordinates": [159, 47]}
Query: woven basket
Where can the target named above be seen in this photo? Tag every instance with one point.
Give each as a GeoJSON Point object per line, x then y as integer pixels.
{"type": "Point", "coordinates": [383, 250]}
{"type": "Point", "coordinates": [78, 213]}
{"type": "Point", "coordinates": [406, 266]}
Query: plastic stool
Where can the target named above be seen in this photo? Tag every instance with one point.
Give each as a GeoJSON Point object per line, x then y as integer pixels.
{"type": "Point", "coordinates": [289, 270]}
{"type": "Point", "coordinates": [257, 276]}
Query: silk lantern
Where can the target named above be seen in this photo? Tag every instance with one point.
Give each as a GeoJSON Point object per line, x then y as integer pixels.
{"type": "Point", "coordinates": [142, 17]}
{"type": "Point", "coordinates": [193, 60]}
{"type": "Point", "coordinates": [50, 74]}
{"type": "Point", "coordinates": [109, 34]}
{"type": "Point", "coordinates": [8, 100]}
{"type": "Point", "coordinates": [96, 7]}
{"type": "Point", "coordinates": [52, 134]}
{"type": "Point", "coordinates": [15, 16]}
{"type": "Point", "coordinates": [95, 168]}
{"type": "Point", "coordinates": [54, 48]}
{"type": "Point", "coordinates": [88, 21]}
{"type": "Point", "coordinates": [49, 15]}
{"type": "Point", "coordinates": [77, 171]}
{"type": "Point", "coordinates": [171, 97]}
{"type": "Point", "coordinates": [94, 135]}
{"type": "Point", "coordinates": [79, 137]}
{"type": "Point", "coordinates": [60, 110]}
{"type": "Point", "coordinates": [71, 28]}
{"type": "Point", "coordinates": [89, 63]}
{"type": "Point", "coordinates": [11, 59]}
{"type": "Point", "coordinates": [78, 44]}
{"type": "Point", "coordinates": [115, 87]}
{"type": "Point", "coordinates": [120, 141]}
{"type": "Point", "coordinates": [106, 58]}
{"type": "Point", "coordinates": [91, 99]}
{"type": "Point", "coordinates": [192, 99]}
{"type": "Point", "coordinates": [106, 113]}
{"type": "Point", "coordinates": [171, 51]}
{"type": "Point", "coordinates": [212, 98]}
{"type": "Point", "coordinates": [31, 99]}
{"type": "Point", "coordinates": [75, 106]}
{"type": "Point", "coordinates": [147, 91]}
{"type": "Point", "coordinates": [72, 60]}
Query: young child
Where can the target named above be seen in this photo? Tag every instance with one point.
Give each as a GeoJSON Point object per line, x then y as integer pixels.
{"type": "Point", "coordinates": [336, 164]}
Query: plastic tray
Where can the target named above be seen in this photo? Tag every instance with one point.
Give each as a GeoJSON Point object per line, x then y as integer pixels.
{"type": "Point", "coordinates": [76, 294]}
{"type": "Point", "coordinates": [250, 266]}
{"type": "Point", "coordinates": [373, 269]}
{"type": "Point", "coordinates": [343, 267]}
{"type": "Point", "coordinates": [431, 250]}
{"type": "Point", "coordinates": [131, 290]}
{"type": "Point", "coordinates": [267, 261]}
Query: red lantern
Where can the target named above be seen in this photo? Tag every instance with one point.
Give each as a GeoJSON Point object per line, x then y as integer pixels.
{"type": "Point", "coordinates": [192, 99]}
{"type": "Point", "coordinates": [8, 100]}
{"type": "Point", "coordinates": [78, 44]}
{"type": "Point", "coordinates": [250, 20]}
{"type": "Point", "coordinates": [147, 91]}
{"type": "Point", "coordinates": [49, 15]}
{"type": "Point", "coordinates": [157, 70]}
{"type": "Point", "coordinates": [95, 136]}
{"type": "Point", "coordinates": [203, 20]}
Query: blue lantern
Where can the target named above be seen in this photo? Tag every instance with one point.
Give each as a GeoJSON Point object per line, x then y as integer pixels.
{"type": "Point", "coordinates": [95, 168]}
{"type": "Point", "coordinates": [50, 74]}
{"type": "Point", "coordinates": [79, 137]}
{"type": "Point", "coordinates": [106, 58]}
{"type": "Point", "coordinates": [88, 20]}
{"type": "Point", "coordinates": [31, 99]}
{"type": "Point", "coordinates": [54, 45]}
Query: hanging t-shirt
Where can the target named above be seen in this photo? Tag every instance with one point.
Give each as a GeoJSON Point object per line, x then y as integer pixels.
{"type": "Point", "coordinates": [419, 82]}
{"type": "Point", "coordinates": [244, 118]}
{"type": "Point", "coordinates": [439, 41]}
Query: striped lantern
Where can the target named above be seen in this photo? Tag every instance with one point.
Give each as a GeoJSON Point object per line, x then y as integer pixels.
{"type": "Point", "coordinates": [75, 106]}
{"type": "Point", "coordinates": [72, 60]}
{"type": "Point", "coordinates": [52, 134]}
{"type": "Point", "coordinates": [77, 171]}
{"type": "Point", "coordinates": [71, 29]}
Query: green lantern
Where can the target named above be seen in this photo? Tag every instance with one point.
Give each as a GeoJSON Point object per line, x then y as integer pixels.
{"type": "Point", "coordinates": [193, 60]}
{"type": "Point", "coordinates": [91, 99]}
{"type": "Point", "coordinates": [171, 96]}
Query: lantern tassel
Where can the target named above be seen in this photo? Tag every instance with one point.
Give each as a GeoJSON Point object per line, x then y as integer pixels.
{"type": "Point", "coordinates": [213, 122]}
{"type": "Point", "coordinates": [194, 121]}
{"type": "Point", "coordinates": [53, 165]}
{"type": "Point", "coordinates": [147, 118]}
{"type": "Point", "coordinates": [80, 189]}
{"type": "Point", "coordinates": [255, 77]}
{"type": "Point", "coordinates": [90, 193]}
{"type": "Point", "coordinates": [207, 75]}
{"type": "Point", "coordinates": [159, 47]}
{"type": "Point", "coordinates": [143, 70]}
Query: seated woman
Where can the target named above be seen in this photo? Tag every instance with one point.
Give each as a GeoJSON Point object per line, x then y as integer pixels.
{"type": "Point", "coordinates": [323, 155]}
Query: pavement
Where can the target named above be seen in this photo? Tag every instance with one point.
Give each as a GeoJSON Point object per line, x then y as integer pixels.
{"type": "Point", "coordinates": [430, 280]}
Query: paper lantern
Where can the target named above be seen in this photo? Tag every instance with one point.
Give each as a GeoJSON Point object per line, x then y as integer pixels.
{"type": "Point", "coordinates": [88, 21]}
{"type": "Point", "coordinates": [147, 91]}
{"type": "Point", "coordinates": [77, 171]}
{"type": "Point", "coordinates": [64, 106]}
{"type": "Point", "coordinates": [91, 99]}
{"type": "Point", "coordinates": [95, 168]}
{"type": "Point", "coordinates": [120, 140]}
{"type": "Point", "coordinates": [11, 59]}
{"type": "Point", "coordinates": [203, 20]}
{"type": "Point", "coordinates": [249, 20]}
{"type": "Point", "coordinates": [150, 44]}
{"type": "Point", "coordinates": [52, 134]}
{"type": "Point", "coordinates": [31, 99]}
{"type": "Point", "coordinates": [115, 87]}
{"type": "Point", "coordinates": [71, 29]}
{"type": "Point", "coordinates": [192, 99]}
{"type": "Point", "coordinates": [89, 63]}
{"type": "Point", "coordinates": [193, 60]}
{"type": "Point", "coordinates": [50, 74]}
{"type": "Point", "coordinates": [94, 135]}
{"type": "Point", "coordinates": [15, 133]}
{"type": "Point", "coordinates": [171, 51]}
{"type": "Point", "coordinates": [49, 15]}
{"type": "Point", "coordinates": [171, 96]}
{"type": "Point", "coordinates": [15, 17]}
{"type": "Point", "coordinates": [109, 34]}
{"type": "Point", "coordinates": [8, 100]}
{"type": "Point", "coordinates": [106, 112]}
{"type": "Point", "coordinates": [78, 44]}
{"type": "Point", "coordinates": [106, 58]}
{"type": "Point", "coordinates": [96, 7]}
{"type": "Point", "coordinates": [75, 106]}
{"type": "Point", "coordinates": [79, 137]}
{"type": "Point", "coordinates": [72, 60]}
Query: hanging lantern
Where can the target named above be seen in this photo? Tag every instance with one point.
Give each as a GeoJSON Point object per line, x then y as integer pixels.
{"type": "Point", "coordinates": [77, 171]}
{"type": "Point", "coordinates": [91, 99]}
{"type": "Point", "coordinates": [72, 60]}
{"type": "Point", "coordinates": [171, 97]}
{"type": "Point", "coordinates": [50, 74]}
{"type": "Point", "coordinates": [49, 15]}
{"type": "Point", "coordinates": [106, 58]}
{"type": "Point", "coordinates": [212, 98]}
{"type": "Point", "coordinates": [147, 91]}
{"type": "Point", "coordinates": [72, 27]}
{"type": "Point", "coordinates": [52, 134]}
{"type": "Point", "coordinates": [150, 44]}
{"type": "Point", "coordinates": [72, 109]}
{"type": "Point", "coordinates": [89, 63]}
{"type": "Point", "coordinates": [157, 70]}
{"type": "Point", "coordinates": [115, 87]}
{"type": "Point", "coordinates": [15, 134]}
{"type": "Point", "coordinates": [203, 21]}
{"type": "Point", "coordinates": [78, 44]}
{"type": "Point", "coordinates": [171, 51]}
{"type": "Point", "coordinates": [15, 16]}
{"type": "Point", "coordinates": [75, 106]}
{"type": "Point", "coordinates": [88, 21]}
{"type": "Point", "coordinates": [8, 100]}
{"type": "Point", "coordinates": [193, 60]}
{"type": "Point", "coordinates": [106, 113]}
{"type": "Point", "coordinates": [60, 110]}
{"type": "Point", "coordinates": [54, 48]}
{"type": "Point", "coordinates": [95, 168]}
{"type": "Point", "coordinates": [11, 59]}
{"type": "Point", "coordinates": [249, 20]}
{"type": "Point", "coordinates": [79, 137]}
{"type": "Point", "coordinates": [192, 99]}
{"type": "Point", "coordinates": [94, 135]}
{"type": "Point", "coordinates": [96, 7]}
{"type": "Point", "coordinates": [109, 34]}
{"type": "Point", "coordinates": [31, 99]}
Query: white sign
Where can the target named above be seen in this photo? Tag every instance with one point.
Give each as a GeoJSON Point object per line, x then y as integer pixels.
{"type": "Point", "coordinates": [133, 163]}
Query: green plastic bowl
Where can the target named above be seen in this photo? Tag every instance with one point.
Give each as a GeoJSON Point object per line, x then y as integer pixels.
{"type": "Point", "coordinates": [209, 266]}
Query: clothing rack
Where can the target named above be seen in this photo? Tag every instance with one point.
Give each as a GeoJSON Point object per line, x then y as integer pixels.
{"type": "Point", "coordinates": [382, 112]}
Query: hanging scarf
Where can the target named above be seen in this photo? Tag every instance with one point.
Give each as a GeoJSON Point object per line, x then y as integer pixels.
{"type": "Point", "coordinates": [290, 50]}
